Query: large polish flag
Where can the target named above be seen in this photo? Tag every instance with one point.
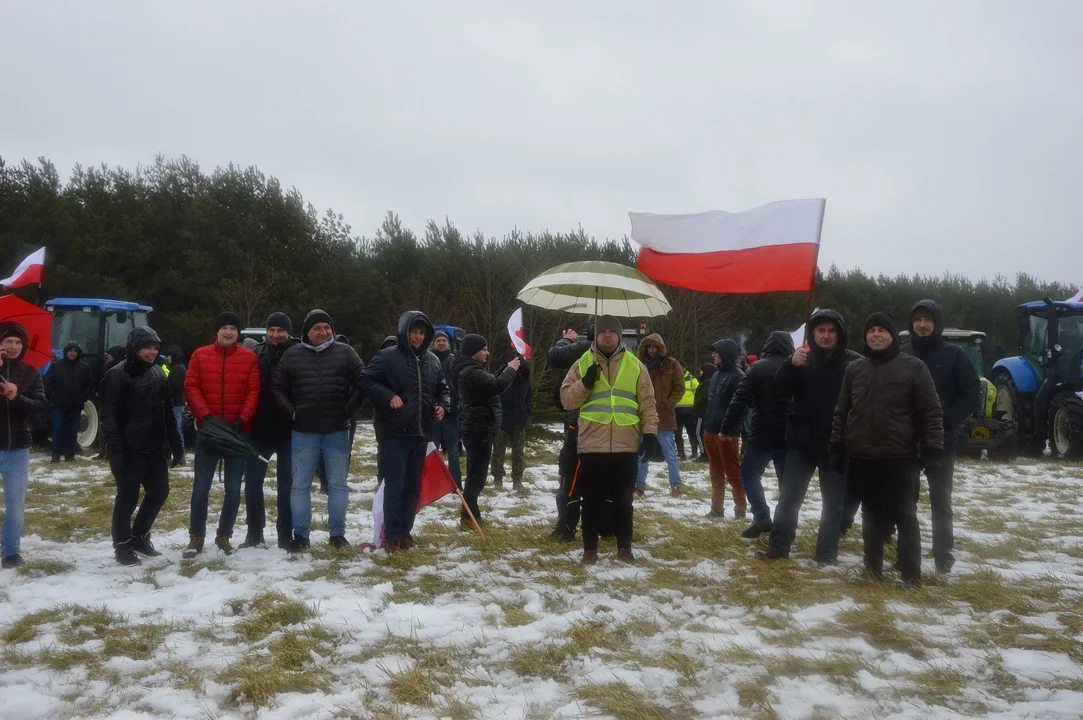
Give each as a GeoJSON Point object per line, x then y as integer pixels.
{"type": "Point", "coordinates": [29, 271]}
{"type": "Point", "coordinates": [772, 248]}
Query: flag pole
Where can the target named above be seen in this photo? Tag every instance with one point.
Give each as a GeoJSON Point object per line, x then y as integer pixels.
{"type": "Point", "coordinates": [466, 507]}
{"type": "Point", "coordinates": [815, 262]}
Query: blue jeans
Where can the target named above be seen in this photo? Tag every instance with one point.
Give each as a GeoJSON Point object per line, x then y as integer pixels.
{"type": "Point", "coordinates": [205, 466]}
{"type": "Point", "coordinates": [15, 469]}
{"type": "Point", "coordinates": [752, 468]}
{"type": "Point", "coordinates": [307, 449]}
{"type": "Point", "coordinates": [448, 431]}
{"type": "Point", "coordinates": [404, 459]}
{"type": "Point", "coordinates": [668, 442]}
{"type": "Point", "coordinates": [255, 472]}
{"type": "Point", "coordinates": [66, 432]}
{"type": "Point", "coordinates": [178, 412]}
{"type": "Point", "coordinates": [800, 465]}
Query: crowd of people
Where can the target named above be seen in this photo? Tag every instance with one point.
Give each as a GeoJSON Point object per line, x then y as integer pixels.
{"type": "Point", "coordinates": [868, 423]}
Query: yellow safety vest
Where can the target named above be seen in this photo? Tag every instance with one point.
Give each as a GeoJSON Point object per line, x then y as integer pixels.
{"type": "Point", "coordinates": [165, 369]}
{"type": "Point", "coordinates": [690, 385]}
{"type": "Point", "coordinates": [618, 403]}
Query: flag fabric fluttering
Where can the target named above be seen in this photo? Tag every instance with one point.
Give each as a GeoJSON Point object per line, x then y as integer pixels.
{"type": "Point", "coordinates": [436, 482]}
{"type": "Point", "coordinates": [28, 272]}
{"type": "Point", "coordinates": [772, 248]}
{"type": "Point", "coordinates": [515, 332]}
{"type": "Point", "coordinates": [798, 335]}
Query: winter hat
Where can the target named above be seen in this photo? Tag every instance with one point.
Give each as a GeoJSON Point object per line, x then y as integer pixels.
{"type": "Point", "coordinates": [440, 334]}
{"type": "Point", "coordinates": [175, 352]}
{"type": "Point", "coordinates": [419, 324]}
{"type": "Point", "coordinates": [752, 358]}
{"type": "Point", "coordinates": [280, 319]}
{"type": "Point", "coordinates": [389, 342]}
{"type": "Point", "coordinates": [314, 317]}
{"type": "Point", "coordinates": [881, 319]}
{"type": "Point", "coordinates": [226, 318]}
{"type": "Point", "coordinates": [607, 322]}
{"type": "Point", "coordinates": [472, 344]}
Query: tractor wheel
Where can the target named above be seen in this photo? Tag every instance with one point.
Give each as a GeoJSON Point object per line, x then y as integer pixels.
{"type": "Point", "coordinates": [1006, 408]}
{"type": "Point", "coordinates": [89, 426]}
{"type": "Point", "coordinates": [1066, 427]}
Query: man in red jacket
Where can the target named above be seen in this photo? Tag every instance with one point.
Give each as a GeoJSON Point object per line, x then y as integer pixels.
{"type": "Point", "coordinates": [223, 380]}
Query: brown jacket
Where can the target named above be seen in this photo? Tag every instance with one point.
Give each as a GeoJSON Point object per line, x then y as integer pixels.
{"type": "Point", "coordinates": [888, 408]}
{"type": "Point", "coordinates": [611, 438]}
{"type": "Point", "coordinates": [668, 382]}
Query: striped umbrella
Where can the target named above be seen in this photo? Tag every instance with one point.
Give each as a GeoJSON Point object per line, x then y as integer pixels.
{"type": "Point", "coordinates": [598, 287]}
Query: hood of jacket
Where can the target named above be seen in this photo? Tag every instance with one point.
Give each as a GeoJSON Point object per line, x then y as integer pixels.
{"type": "Point", "coordinates": [822, 316]}
{"type": "Point", "coordinates": [9, 327]}
{"type": "Point", "coordinates": [933, 308]}
{"type": "Point", "coordinates": [176, 355]}
{"type": "Point", "coordinates": [389, 341]}
{"type": "Point", "coordinates": [73, 345]}
{"type": "Point", "coordinates": [409, 318]}
{"type": "Point", "coordinates": [779, 344]}
{"type": "Point", "coordinates": [729, 351]}
{"type": "Point", "coordinates": [138, 339]}
{"type": "Point", "coordinates": [653, 339]}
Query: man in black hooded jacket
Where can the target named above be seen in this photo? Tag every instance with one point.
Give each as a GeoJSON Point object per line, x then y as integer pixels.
{"type": "Point", "coordinates": [138, 424]}
{"type": "Point", "coordinates": [723, 451]}
{"type": "Point", "coordinates": [565, 353]}
{"type": "Point", "coordinates": [959, 389]}
{"type": "Point", "coordinates": [407, 387]}
{"type": "Point", "coordinates": [812, 378]}
{"type": "Point", "coordinates": [68, 385]}
{"type": "Point", "coordinates": [767, 438]}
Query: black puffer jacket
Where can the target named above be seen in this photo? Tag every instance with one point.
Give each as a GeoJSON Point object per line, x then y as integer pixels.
{"type": "Point", "coordinates": [479, 393]}
{"type": "Point", "coordinates": [178, 371]}
{"type": "Point", "coordinates": [68, 383]}
{"type": "Point", "coordinates": [415, 376]}
{"type": "Point", "coordinates": [319, 387]}
{"type": "Point", "coordinates": [273, 424]}
{"type": "Point", "coordinates": [723, 385]}
{"type": "Point", "coordinates": [517, 402]}
{"type": "Point", "coordinates": [757, 390]}
{"type": "Point", "coordinates": [561, 357]}
{"type": "Point", "coordinates": [137, 412]}
{"type": "Point", "coordinates": [814, 389]}
{"type": "Point", "coordinates": [15, 414]}
{"type": "Point", "coordinates": [957, 382]}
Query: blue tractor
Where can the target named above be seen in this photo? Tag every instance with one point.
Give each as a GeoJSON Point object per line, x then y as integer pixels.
{"type": "Point", "coordinates": [96, 325]}
{"type": "Point", "coordinates": [1042, 389]}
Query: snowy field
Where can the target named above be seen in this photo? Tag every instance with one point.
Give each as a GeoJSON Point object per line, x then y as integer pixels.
{"type": "Point", "coordinates": [513, 627]}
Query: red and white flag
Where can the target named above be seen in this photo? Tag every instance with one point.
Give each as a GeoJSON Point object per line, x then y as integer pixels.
{"type": "Point", "coordinates": [515, 332]}
{"type": "Point", "coordinates": [28, 272]}
{"type": "Point", "coordinates": [767, 249]}
{"type": "Point", "coordinates": [436, 482]}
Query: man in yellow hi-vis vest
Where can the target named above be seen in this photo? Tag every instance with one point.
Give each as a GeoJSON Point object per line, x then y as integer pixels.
{"type": "Point", "coordinates": [617, 421]}
{"type": "Point", "coordinates": [686, 416]}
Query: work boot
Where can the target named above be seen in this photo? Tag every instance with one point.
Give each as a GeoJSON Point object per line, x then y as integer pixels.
{"type": "Point", "coordinates": [758, 527]}
{"type": "Point", "coordinates": [299, 544]}
{"type": "Point", "coordinates": [675, 492]}
{"type": "Point", "coordinates": [945, 563]}
{"type": "Point", "coordinates": [222, 543]}
{"type": "Point", "coordinates": [517, 484]}
{"type": "Point", "coordinates": [125, 554]}
{"type": "Point", "coordinates": [393, 546]}
{"type": "Point", "coordinates": [625, 555]}
{"type": "Point", "coordinates": [715, 514]}
{"type": "Point", "coordinates": [10, 562]}
{"type": "Point", "coordinates": [195, 547]}
{"type": "Point", "coordinates": [408, 542]}
{"type": "Point", "coordinates": [590, 557]}
{"type": "Point", "coordinates": [771, 555]}
{"type": "Point", "coordinates": [253, 539]}
{"type": "Point", "coordinates": [640, 490]}
{"type": "Point", "coordinates": [339, 541]}
{"type": "Point", "coordinates": [142, 545]}
{"type": "Point", "coordinates": [740, 514]}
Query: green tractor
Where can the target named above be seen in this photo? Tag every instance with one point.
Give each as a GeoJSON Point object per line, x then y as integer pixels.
{"type": "Point", "coordinates": [983, 430]}
{"type": "Point", "coordinates": [1042, 389]}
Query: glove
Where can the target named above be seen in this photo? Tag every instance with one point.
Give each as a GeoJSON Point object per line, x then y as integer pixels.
{"type": "Point", "coordinates": [837, 462]}
{"type": "Point", "coordinates": [932, 459]}
{"type": "Point", "coordinates": [648, 444]}
{"type": "Point", "coordinates": [178, 453]}
{"type": "Point", "coordinates": [593, 372]}
{"type": "Point", "coordinates": [116, 465]}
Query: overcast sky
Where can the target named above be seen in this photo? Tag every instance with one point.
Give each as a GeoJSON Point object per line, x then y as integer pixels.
{"type": "Point", "coordinates": [944, 135]}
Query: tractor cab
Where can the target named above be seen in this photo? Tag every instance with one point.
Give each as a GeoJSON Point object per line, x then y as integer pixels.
{"type": "Point", "coordinates": [1042, 388]}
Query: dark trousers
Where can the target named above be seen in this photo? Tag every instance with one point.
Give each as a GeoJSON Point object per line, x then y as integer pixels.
{"type": "Point", "coordinates": [608, 481]}
{"type": "Point", "coordinates": [686, 423]}
{"type": "Point", "coordinates": [479, 452]}
{"type": "Point", "coordinates": [255, 472]}
{"type": "Point", "coordinates": [889, 496]}
{"type": "Point", "coordinates": [752, 466]}
{"type": "Point", "coordinates": [404, 459]}
{"type": "Point", "coordinates": [66, 432]}
{"type": "Point", "coordinates": [206, 463]}
{"type": "Point", "coordinates": [150, 472]}
{"type": "Point", "coordinates": [792, 486]}
{"type": "Point", "coordinates": [568, 498]}
{"type": "Point", "coordinates": [940, 485]}
{"type": "Point", "coordinates": [446, 433]}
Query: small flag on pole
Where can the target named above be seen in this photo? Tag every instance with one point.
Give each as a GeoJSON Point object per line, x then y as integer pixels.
{"type": "Point", "coordinates": [515, 332]}
{"type": "Point", "coordinates": [29, 271]}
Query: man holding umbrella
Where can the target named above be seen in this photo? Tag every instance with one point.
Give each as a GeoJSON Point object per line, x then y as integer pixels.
{"type": "Point", "coordinates": [617, 421]}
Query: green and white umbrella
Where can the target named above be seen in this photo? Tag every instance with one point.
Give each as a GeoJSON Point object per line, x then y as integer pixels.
{"type": "Point", "coordinates": [598, 287]}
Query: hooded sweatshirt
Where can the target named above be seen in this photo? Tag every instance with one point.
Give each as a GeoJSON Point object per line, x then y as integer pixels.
{"type": "Point", "coordinates": [723, 385]}
{"type": "Point", "coordinates": [68, 383]}
{"type": "Point", "coordinates": [15, 414]}
{"type": "Point", "coordinates": [957, 383]}
{"type": "Point", "coordinates": [757, 391]}
{"type": "Point", "coordinates": [667, 378]}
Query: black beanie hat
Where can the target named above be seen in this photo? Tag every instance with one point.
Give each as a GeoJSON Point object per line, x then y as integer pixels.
{"type": "Point", "coordinates": [314, 317]}
{"type": "Point", "coordinates": [472, 344]}
{"type": "Point", "coordinates": [226, 318]}
{"type": "Point", "coordinates": [884, 320]}
{"type": "Point", "coordinates": [280, 319]}
{"type": "Point", "coordinates": [440, 334]}
{"type": "Point", "coordinates": [607, 322]}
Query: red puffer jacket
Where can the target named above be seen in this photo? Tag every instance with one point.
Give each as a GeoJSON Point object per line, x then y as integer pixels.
{"type": "Point", "coordinates": [223, 382]}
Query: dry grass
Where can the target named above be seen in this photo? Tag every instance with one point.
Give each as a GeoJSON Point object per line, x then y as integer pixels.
{"type": "Point", "coordinates": [622, 701]}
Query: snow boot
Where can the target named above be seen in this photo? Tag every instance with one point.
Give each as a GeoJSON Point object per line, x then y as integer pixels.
{"type": "Point", "coordinates": [125, 554]}
{"type": "Point", "coordinates": [758, 527]}
{"type": "Point", "coordinates": [625, 555]}
{"type": "Point", "coordinates": [339, 541]}
{"type": "Point", "coordinates": [222, 543]}
{"type": "Point", "coordinates": [195, 547]}
{"type": "Point", "coordinates": [590, 557]}
{"type": "Point", "coordinates": [771, 555]}
{"type": "Point", "coordinates": [299, 544]}
{"type": "Point", "coordinates": [142, 545]}
{"type": "Point", "coordinates": [253, 539]}
{"type": "Point", "coordinates": [10, 562]}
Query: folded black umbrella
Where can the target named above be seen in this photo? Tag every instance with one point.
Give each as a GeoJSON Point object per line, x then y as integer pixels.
{"type": "Point", "coordinates": [220, 438]}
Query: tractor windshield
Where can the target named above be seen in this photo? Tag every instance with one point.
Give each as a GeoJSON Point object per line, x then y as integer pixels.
{"type": "Point", "coordinates": [80, 324]}
{"type": "Point", "coordinates": [119, 323]}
